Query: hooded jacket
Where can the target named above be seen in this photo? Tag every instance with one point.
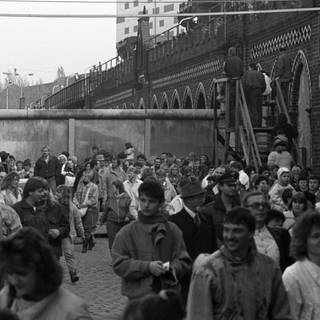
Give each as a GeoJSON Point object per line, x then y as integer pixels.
{"type": "Point", "coordinates": [237, 289]}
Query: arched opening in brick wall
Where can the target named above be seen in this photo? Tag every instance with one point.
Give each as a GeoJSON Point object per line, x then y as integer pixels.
{"type": "Point", "coordinates": [124, 106]}
{"type": "Point", "coordinates": [132, 106]}
{"type": "Point", "coordinates": [141, 104]}
{"type": "Point", "coordinates": [200, 100]}
{"type": "Point", "coordinates": [300, 98]}
{"type": "Point", "coordinates": [201, 104]}
{"type": "Point", "coordinates": [187, 99]}
{"type": "Point", "coordinates": [154, 102]}
{"type": "Point", "coordinates": [164, 102]}
{"type": "Point", "coordinates": [175, 101]}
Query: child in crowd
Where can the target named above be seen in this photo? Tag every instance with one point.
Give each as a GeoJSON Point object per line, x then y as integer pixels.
{"type": "Point", "coordinates": [277, 189]}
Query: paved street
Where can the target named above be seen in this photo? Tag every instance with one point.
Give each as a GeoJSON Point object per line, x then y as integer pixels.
{"type": "Point", "coordinates": [98, 285]}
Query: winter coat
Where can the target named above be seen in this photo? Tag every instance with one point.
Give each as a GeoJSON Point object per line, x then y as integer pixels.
{"type": "Point", "coordinates": [48, 169]}
{"type": "Point", "coordinates": [137, 244]}
{"type": "Point", "coordinates": [229, 288]}
{"type": "Point", "coordinates": [44, 218]}
{"type": "Point", "coordinates": [118, 209]}
{"type": "Point", "coordinates": [302, 282]}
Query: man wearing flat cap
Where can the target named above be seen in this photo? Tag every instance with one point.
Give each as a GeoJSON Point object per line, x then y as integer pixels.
{"type": "Point", "coordinates": [224, 201]}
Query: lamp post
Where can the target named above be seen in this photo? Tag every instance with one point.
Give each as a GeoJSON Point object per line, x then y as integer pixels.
{"type": "Point", "coordinates": [9, 82]}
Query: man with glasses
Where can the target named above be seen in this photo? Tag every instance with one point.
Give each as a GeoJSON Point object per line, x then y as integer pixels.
{"type": "Point", "coordinates": [273, 242]}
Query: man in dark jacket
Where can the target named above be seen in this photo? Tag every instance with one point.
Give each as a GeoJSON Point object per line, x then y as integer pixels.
{"type": "Point", "coordinates": [233, 68]}
{"type": "Point", "coordinates": [48, 167]}
{"type": "Point", "coordinates": [224, 201]}
{"type": "Point", "coordinates": [273, 242]}
{"type": "Point", "coordinates": [197, 228]}
{"type": "Point", "coordinates": [254, 85]}
{"type": "Point", "coordinates": [283, 72]}
{"type": "Point", "coordinates": [38, 211]}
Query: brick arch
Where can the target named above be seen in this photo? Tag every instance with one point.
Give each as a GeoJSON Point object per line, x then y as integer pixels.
{"type": "Point", "coordinates": [200, 101]}
{"type": "Point", "coordinates": [141, 104]}
{"type": "Point", "coordinates": [175, 100]}
{"type": "Point", "coordinates": [164, 101]}
{"type": "Point", "coordinates": [154, 102]}
{"type": "Point", "coordinates": [124, 106]}
{"type": "Point", "coordinates": [213, 93]}
{"type": "Point", "coordinates": [300, 97]}
{"type": "Point", "coordinates": [187, 101]}
{"type": "Point", "coordinates": [300, 61]}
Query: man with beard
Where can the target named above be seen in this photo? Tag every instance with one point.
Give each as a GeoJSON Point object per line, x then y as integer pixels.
{"type": "Point", "coordinates": [37, 209]}
{"type": "Point", "coordinates": [237, 282]}
{"type": "Point", "coordinates": [224, 201]}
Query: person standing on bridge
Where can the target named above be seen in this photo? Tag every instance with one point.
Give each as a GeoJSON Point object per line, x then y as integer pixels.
{"type": "Point", "coordinates": [48, 167]}
{"type": "Point", "coordinates": [254, 85]}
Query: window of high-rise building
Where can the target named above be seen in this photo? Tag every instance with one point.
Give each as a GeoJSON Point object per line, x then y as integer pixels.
{"type": "Point", "coordinates": [135, 3]}
{"type": "Point", "coordinates": [126, 30]}
{"type": "Point", "coordinates": [168, 8]}
{"type": "Point", "coordinates": [120, 19]}
{"type": "Point", "coordinates": [156, 10]}
{"type": "Point", "coordinates": [126, 5]}
{"type": "Point", "coordinates": [135, 28]}
{"type": "Point", "coordinates": [150, 25]}
{"type": "Point", "coordinates": [161, 23]}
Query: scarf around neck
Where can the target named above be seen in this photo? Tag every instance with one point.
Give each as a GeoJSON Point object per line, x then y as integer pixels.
{"type": "Point", "coordinates": [158, 218]}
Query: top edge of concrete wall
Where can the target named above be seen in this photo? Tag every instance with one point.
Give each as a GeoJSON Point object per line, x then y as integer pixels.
{"type": "Point", "coordinates": [193, 114]}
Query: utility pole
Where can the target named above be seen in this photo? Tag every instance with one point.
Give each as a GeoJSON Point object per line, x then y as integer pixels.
{"type": "Point", "coordinates": [9, 82]}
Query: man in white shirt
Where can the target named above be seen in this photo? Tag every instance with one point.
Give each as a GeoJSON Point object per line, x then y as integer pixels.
{"type": "Point", "coordinates": [131, 186]}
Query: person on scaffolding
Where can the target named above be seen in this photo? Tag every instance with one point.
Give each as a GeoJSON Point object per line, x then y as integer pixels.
{"type": "Point", "coordinates": [233, 68]}
{"type": "Point", "coordinates": [254, 85]}
{"type": "Point", "coordinates": [283, 72]}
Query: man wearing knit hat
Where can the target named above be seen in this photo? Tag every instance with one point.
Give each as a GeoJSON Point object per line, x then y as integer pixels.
{"type": "Point", "coordinates": [277, 189]}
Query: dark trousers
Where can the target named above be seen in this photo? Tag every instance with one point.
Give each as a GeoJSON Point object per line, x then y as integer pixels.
{"type": "Point", "coordinates": [112, 229]}
{"type": "Point", "coordinates": [254, 102]}
{"type": "Point", "coordinates": [89, 222]}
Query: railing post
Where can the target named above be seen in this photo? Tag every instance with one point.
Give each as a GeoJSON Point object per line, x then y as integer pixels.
{"type": "Point", "coordinates": [71, 137]}
{"type": "Point", "coordinates": [147, 137]}
{"type": "Point", "coordinates": [215, 127]}
{"type": "Point", "coordinates": [237, 117]}
{"type": "Point", "coordinates": [227, 122]}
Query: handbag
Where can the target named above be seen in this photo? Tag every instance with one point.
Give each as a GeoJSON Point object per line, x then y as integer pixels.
{"type": "Point", "coordinates": [84, 210]}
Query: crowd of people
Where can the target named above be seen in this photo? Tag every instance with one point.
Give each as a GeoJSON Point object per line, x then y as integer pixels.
{"type": "Point", "coordinates": [188, 240]}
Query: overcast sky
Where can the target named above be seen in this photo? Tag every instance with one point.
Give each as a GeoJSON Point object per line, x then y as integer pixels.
{"type": "Point", "coordinates": [41, 45]}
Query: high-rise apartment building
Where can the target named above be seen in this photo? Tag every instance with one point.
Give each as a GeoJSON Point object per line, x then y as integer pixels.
{"type": "Point", "coordinates": [128, 27]}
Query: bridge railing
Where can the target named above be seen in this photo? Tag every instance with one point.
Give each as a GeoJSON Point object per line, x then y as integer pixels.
{"type": "Point", "coordinates": [72, 96]}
